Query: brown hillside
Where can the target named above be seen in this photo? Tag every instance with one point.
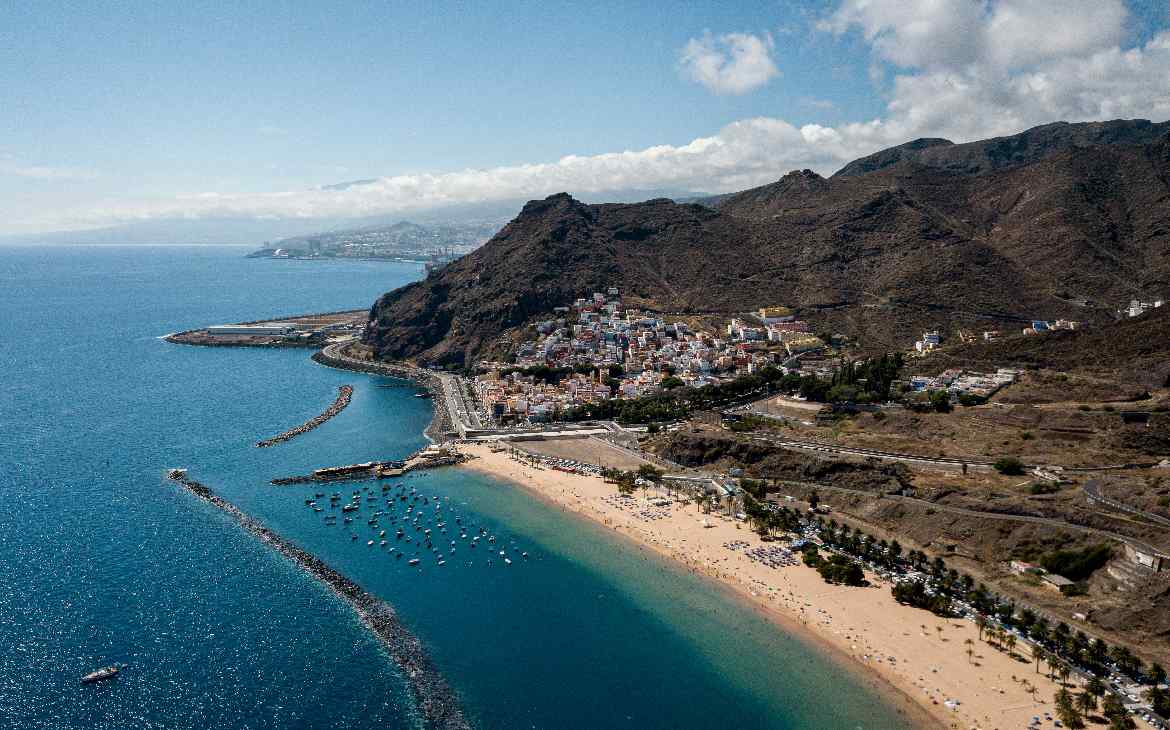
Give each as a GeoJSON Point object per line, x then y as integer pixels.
{"type": "Point", "coordinates": [1065, 220]}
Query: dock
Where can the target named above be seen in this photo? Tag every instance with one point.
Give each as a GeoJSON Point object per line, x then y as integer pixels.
{"type": "Point", "coordinates": [430, 457]}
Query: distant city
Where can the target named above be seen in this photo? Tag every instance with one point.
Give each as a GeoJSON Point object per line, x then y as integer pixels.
{"type": "Point", "coordinates": [431, 244]}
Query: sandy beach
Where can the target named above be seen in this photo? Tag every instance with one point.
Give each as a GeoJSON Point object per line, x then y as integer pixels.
{"type": "Point", "coordinates": [920, 659]}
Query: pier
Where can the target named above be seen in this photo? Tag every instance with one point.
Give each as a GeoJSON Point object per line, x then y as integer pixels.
{"type": "Point", "coordinates": [343, 397]}
{"type": "Point", "coordinates": [430, 457]}
{"type": "Point", "coordinates": [436, 700]}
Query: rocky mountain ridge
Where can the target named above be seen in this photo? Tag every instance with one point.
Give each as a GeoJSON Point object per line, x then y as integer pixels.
{"type": "Point", "coordinates": [1064, 220]}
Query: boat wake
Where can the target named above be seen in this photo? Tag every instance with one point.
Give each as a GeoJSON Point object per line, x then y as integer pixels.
{"type": "Point", "coordinates": [436, 700]}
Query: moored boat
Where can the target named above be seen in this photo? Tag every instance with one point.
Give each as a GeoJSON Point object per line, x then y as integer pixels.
{"type": "Point", "coordinates": [101, 674]}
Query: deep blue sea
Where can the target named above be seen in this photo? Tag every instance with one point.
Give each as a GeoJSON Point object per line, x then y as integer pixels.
{"type": "Point", "coordinates": [103, 561]}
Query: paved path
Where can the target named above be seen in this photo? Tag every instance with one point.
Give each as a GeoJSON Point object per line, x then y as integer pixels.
{"type": "Point", "coordinates": [1092, 489]}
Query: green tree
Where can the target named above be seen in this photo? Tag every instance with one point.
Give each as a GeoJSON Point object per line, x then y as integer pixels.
{"type": "Point", "coordinates": [1039, 655]}
{"type": "Point", "coordinates": [1116, 714]}
{"type": "Point", "coordinates": [1086, 702]}
{"type": "Point", "coordinates": [1095, 687]}
{"type": "Point", "coordinates": [1067, 711]}
{"type": "Point", "coordinates": [650, 472]}
{"type": "Point", "coordinates": [940, 400]}
{"type": "Point", "coordinates": [1009, 465]}
{"type": "Point", "coordinates": [1157, 674]}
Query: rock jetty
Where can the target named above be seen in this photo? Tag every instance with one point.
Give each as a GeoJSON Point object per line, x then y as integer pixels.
{"type": "Point", "coordinates": [436, 701]}
{"type": "Point", "coordinates": [440, 427]}
{"type": "Point", "coordinates": [345, 392]}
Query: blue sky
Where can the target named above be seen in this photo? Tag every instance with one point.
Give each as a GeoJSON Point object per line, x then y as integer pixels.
{"type": "Point", "coordinates": [121, 111]}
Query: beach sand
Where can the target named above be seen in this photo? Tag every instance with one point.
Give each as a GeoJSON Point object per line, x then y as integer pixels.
{"type": "Point", "coordinates": [921, 659]}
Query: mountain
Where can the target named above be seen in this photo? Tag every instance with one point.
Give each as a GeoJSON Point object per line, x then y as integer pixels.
{"type": "Point", "coordinates": [1060, 221]}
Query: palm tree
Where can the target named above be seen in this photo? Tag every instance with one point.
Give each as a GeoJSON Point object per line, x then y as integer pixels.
{"type": "Point", "coordinates": [1039, 655]}
{"type": "Point", "coordinates": [981, 623]}
{"type": "Point", "coordinates": [1095, 687]}
{"type": "Point", "coordinates": [1086, 702]}
{"type": "Point", "coordinates": [1010, 640]}
{"type": "Point", "coordinates": [1052, 662]}
{"type": "Point", "coordinates": [970, 648]}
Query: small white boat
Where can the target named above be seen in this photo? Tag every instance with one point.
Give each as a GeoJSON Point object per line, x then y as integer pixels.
{"type": "Point", "coordinates": [412, 561]}
{"type": "Point", "coordinates": [101, 674]}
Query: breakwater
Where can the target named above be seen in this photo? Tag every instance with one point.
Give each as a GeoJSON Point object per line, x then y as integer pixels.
{"type": "Point", "coordinates": [436, 700]}
{"type": "Point", "coordinates": [334, 356]}
{"type": "Point", "coordinates": [345, 392]}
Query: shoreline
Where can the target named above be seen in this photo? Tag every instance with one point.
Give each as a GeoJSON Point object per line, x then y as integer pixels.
{"type": "Point", "coordinates": [915, 660]}
{"type": "Point", "coordinates": [436, 699]}
{"type": "Point", "coordinates": [439, 427]}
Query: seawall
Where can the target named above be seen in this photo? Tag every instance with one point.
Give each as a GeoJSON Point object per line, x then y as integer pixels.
{"type": "Point", "coordinates": [440, 426]}
{"type": "Point", "coordinates": [436, 700]}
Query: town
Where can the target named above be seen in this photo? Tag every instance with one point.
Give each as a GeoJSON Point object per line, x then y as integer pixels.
{"type": "Point", "coordinates": [598, 349]}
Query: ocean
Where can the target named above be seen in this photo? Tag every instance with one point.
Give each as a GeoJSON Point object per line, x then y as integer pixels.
{"type": "Point", "coordinates": [102, 560]}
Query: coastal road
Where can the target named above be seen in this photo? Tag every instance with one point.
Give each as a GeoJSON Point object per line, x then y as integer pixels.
{"type": "Point", "coordinates": [1092, 490]}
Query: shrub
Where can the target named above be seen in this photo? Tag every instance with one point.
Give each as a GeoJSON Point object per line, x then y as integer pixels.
{"type": "Point", "coordinates": [1077, 565]}
{"type": "Point", "coordinates": [811, 556]}
{"type": "Point", "coordinates": [940, 400]}
{"type": "Point", "coordinates": [841, 570]}
{"type": "Point", "coordinates": [1043, 488]}
{"type": "Point", "coordinates": [1027, 436]}
{"type": "Point", "coordinates": [1009, 466]}
{"type": "Point", "coordinates": [879, 416]}
{"type": "Point", "coordinates": [970, 399]}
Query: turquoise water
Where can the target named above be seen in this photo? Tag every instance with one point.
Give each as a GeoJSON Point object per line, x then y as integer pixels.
{"type": "Point", "coordinates": [102, 561]}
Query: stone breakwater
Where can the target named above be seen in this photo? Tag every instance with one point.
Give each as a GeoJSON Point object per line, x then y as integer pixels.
{"type": "Point", "coordinates": [437, 702]}
{"type": "Point", "coordinates": [440, 427]}
{"type": "Point", "coordinates": [344, 394]}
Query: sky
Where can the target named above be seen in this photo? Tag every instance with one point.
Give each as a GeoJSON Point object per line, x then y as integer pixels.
{"type": "Point", "coordinates": [117, 112]}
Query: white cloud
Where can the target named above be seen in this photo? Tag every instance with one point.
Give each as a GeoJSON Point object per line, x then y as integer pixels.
{"type": "Point", "coordinates": [957, 34]}
{"type": "Point", "coordinates": [963, 71]}
{"type": "Point", "coordinates": [734, 63]}
{"type": "Point", "coordinates": [45, 172]}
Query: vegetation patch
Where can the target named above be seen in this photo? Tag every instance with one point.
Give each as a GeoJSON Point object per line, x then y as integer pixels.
{"type": "Point", "coordinates": [1077, 565]}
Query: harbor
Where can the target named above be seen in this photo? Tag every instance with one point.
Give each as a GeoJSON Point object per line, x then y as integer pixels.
{"type": "Point", "coordinates": [436, 700]}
